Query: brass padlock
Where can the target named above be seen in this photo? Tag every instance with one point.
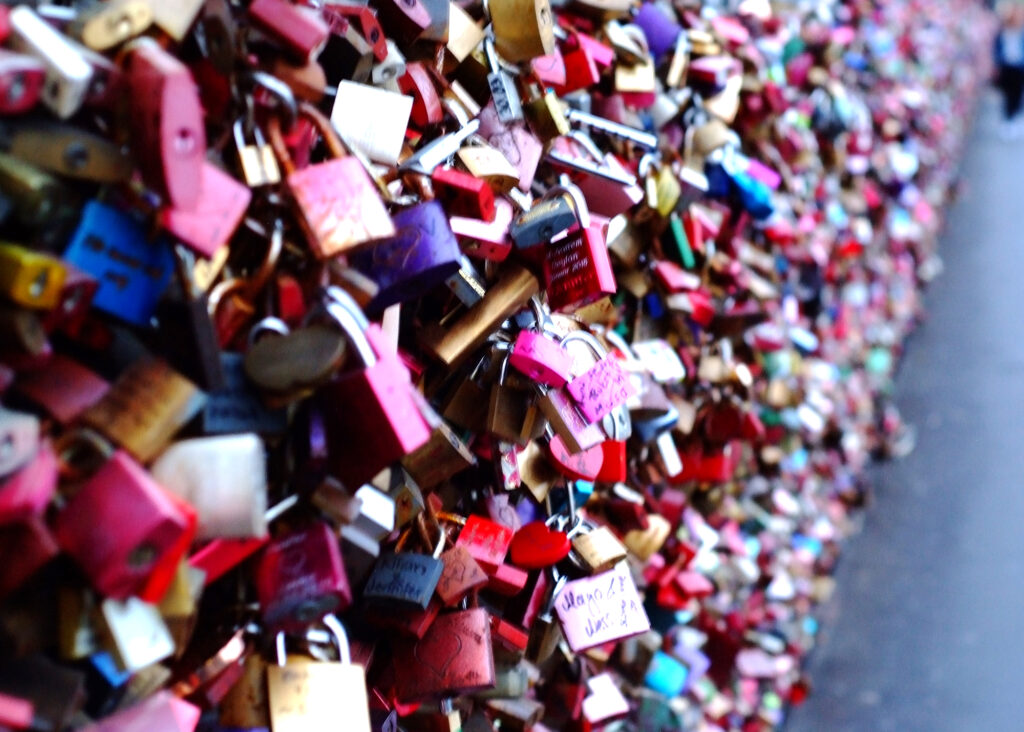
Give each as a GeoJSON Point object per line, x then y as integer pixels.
{"type": "Point", "coordinates": [523, 29]}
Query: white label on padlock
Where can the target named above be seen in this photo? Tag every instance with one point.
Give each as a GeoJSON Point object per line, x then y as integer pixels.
{"type": "Point", "coordinates": [602, 608]}
{"type": "Point", "coordinates": [605, 700]}
{"type": "Point", "coordinates": [661, 360]}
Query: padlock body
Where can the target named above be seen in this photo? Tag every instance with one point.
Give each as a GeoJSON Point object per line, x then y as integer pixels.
{"type": "Point", "coordinates": [541, 358]}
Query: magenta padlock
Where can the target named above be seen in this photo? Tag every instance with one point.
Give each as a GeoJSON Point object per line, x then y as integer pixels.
{"type": "Point", "coordinates": [167, 129]}
{"type": "Point", "coordinates": [422, 255]}
{"type": "Point", "coordinates": [482, 239]}
{"type": "Point", "coordinates": [28, 492]}
{"type": "Point", "coordinates": [119, 526]}
{"type": "Point", "coordinates": [209, 225]}
{"type": "Point", "coordinates": [540, 358]}
{"type": "Point", "coordinates": [371, 414]}
{"type": "Point", "coordinates": [301, 578]}
{"type": "Point", "coordinates": [604, 387]}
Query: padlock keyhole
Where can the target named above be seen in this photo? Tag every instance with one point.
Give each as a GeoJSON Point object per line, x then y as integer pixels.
{"type": "Point", "coordinates": [38, 286]}
{"type": "Point", "coordinates": [16, 89]}
{"type": "Point", "coordinates": [142, 556]}
{"type": "Point", "coordinates": [184, 141]}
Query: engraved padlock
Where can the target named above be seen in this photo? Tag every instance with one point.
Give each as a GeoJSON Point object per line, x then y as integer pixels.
{"type": "Point", "coordinates": [301, 578]}
{"type": "Point", "coordinates": [304, 695]}
{"type": "Point", "coordinates": [256, 158]}
{"type": "Point", "coordinates": [337, 204]}
{"type": "Point", "coordinates": [404, 577]}
{"type": "Point", "coordinates": [602, 388]}
{"type": "Point", "coordinates": [504, 94]}
{"type": "Point", "coordinates": [522, 28]}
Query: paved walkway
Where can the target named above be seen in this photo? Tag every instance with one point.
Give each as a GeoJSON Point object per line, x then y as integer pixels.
{"type": "Point", "coordinates": [926, 630]}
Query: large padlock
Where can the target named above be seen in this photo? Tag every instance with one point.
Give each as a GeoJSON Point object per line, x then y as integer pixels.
{"type": "Point", "coordinates": [207, 226]}
{"type": "Point", "coordinates": [523, 29]}
{"type": "Point", "coordinates": [301, 578]}
{"type": "Point", "coordinates": [336, 202]}
{"type": "Point", "coordinates": [145, 525]}
{"type": "Point", "coordinates": [453, 657]}
{"type": "Point", "coordinates": [306, 696]}
{"type": "Point", "coordinates": [371, 414]}
{"type": "Point", "coordinates": [422, 255]}
{"type": "Point", "coordinates": [168, 130]}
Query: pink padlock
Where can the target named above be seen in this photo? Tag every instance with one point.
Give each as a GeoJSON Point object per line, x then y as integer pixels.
{"type": "Point", "coordinates": [604, 387]}
{"type": "Point", "coordinates": [28, 492]}
{"type": "Point", "coordinates": [541, 358]}
{"type": "Point", "coordinates": [119, 526]}
{"type": "Point", "coordinates": [482, 239]}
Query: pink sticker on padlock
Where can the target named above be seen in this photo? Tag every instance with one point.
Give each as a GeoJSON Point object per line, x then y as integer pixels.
{"type": "Point", "coordinates": [541, 358]}
{"type": "Point", "coordinates": [599, 609]}
{"type": "Point", "coordinates": [601, 389]}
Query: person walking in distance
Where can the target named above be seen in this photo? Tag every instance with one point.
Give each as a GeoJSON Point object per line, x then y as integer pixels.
{"type": "Point", "coordinates": [1009, 58]}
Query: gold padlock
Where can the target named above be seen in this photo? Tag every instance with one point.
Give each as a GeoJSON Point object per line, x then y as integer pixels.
{"type": "Point", "coordinates": [488, 163]}
{"type": "Point", "coordinates": [523, 29]}
{"type": "Point", "coordinates": [599, 549]}
{"type": "Point", "coordinates": [31, 279]}
{"type": "Point", "coordinates": [647, 542]}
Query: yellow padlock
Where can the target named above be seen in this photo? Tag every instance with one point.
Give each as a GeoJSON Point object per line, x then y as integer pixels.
{"type": "Point", "coordinates": [29, 278]}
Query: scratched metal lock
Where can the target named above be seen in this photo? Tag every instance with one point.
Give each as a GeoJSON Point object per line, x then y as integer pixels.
{"type": "Point", "coordinates": [453, 657]}
{"type": "Point", "coordinates": [406, 578]}
{"type": "Point", "coordinates": [511, 414]}
{"type": "Point", "coordinates": [598, 549]}
{"type": "Point", "coordinates": [145, 408]}
{"type": "Point", "coordinates": [371, 414]}
{"type": "Point", "coordinates": [167, 128]}
{"type": "Point", "coordinates": [21, 82]}
{"type": "Point", "coordinates": [336, 202]}
{"type": "Point", "coordinates": [610, 189]}
{"type": "Point", "coordinates": [301, 578]}
{"type": "Point", "coordinates": [67, 73]}
{"type": "Point", "coordinates": [422, 255]}
{"type": "Point", "coordinates": [147, 524]}
{"type": "Point", "coordinates": [304, 695]}
{"type": "Point", "coordinates": [523, 29]}
{"type": "Point", "coordinates": [543, 221]}
{"type": "Point", "coordinates": [132, 272]}
{"type": "Point", "coordinates": [223, 478]}
{"type": "Point", "coordinates": [461, 575]}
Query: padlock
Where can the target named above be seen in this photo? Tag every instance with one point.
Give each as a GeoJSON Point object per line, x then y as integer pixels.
{"type": "Point", "coordinates": [257, 161]}
{"type": "Point", "coordinates": [441, 457]}
{"type": "Point", "coordinates": [422, 255]}
{"type": "Point", "coordinates": [585, 465]}
{"type": "Point", "coordinates": [34, 194]}
{"type": "Point", "coordinates": [418, 83]}
{"type": "Point", "coordinates": [167, 130]}
{"type": "Point", "coordinates": [604, 607]}
{"type": "Point", "coordinates": [463, 194]}
{"type": "Point", "coordinates": [538, 355]}
{"type": "Point", "coordinates": [67, 73]}
{"type": "Point", "coordinates": [559, 409]}
{"type": "Point", "coordinates": [27, 546]}
{"type": "Point", "coordinates": [150, 524]}
{"type": "Point", "coordinates": [102, 27]}
{"type": "Point", "coordinates": [519, 146]}
{"type": "Point", "coordinates": [454, 657]}
{"type": "Point", "coordinates": [209, 225]}
{"type": "Point", "coordinates": [378, 137]}
{"type": "Point", "coordinates": [461, 575]}
{"type": "Point", "coordinates": [577, 269]}
{"type": "Point", "coordinates": [608, 187]}
{"type": "Point", "coordinates": [286, 365]}
{"type": "Point", "coordinates": [597, 548]}
{"type": "Point", "coordinates": [486, 541]}
{"type": "Point", "coordinates": [546, 116]}
{"type": "Point", "coordinates": [145, 408]}
{"type": "Point", "coordinates": [301, 31]}
{"type": "Point", "coordinates": [304, 695]}
{"type": "Point", "coordinates": [404, 577]}
{"type": "Point", "coordinates": [301, 578]}
{"type": "Point", "coordinates": [543, 221]}
{"type": "Point", "coordinates": [28, 491]}
{"type": "Point", "coordinates": [504, 94]}
{"type": "Point", "coordinates": [371, 414]}
{"type": "Point", "coordinates": [538, 545]}
{"type": "Point", "coordinates": [489, 241]}
{"type": "Point", "coordinates": [602, 388]}
{"type": "Point", "coordinates": [31, 279]}
{"type": "Point", "coordinates": [486, 162]}
{"type": "Point", "coordinates": [21, 82]}
{"type": "Point", "coordinates": [223, 478]}
{"type": "Point", "coordinates": [337, 204]}
{"type": "Point", "coordinates": [511, 414]}
{"type": "Point", "coordinates": [523, 28]}
{"type": "Point", "coordinates": [404, 21]}
{"type": "Point", "coordinates": [236, 407]}
{"type": "Point", "coordinates": [69, 151]}
{"type": "Point", "coordinates": [135, 632]}
{"type": "Point", "coordinates": [132, 272]}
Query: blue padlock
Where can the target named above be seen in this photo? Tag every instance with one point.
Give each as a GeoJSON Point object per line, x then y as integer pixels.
{"type": "Point", "coordinates": [666, 675]}
{"type": "Point", "coordinates": [132, 270]}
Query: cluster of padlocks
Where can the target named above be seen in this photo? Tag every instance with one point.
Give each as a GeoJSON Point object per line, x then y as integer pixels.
{"type": "Point", "coordinates": [447, 364]}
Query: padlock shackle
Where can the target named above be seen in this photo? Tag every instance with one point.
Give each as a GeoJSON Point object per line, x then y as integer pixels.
{"type": "Point", "coordinates": [586, 337]}
{"type": "Point", "coordinates": [269, 324]}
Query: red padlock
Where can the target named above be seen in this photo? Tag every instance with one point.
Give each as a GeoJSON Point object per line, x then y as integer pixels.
{"type": "Point", "coordinates": [302, 31]}
{"type": "Point", "coordinates": [168, 130]}
{"type": "Point", "coordinates": [463, 194]}
{"type": "Point", "coordinates": [301, 578]}
{"type": "Point", "coordinates": [28, 492]}
{"type": "Point", "coordinates": [419, 84]}
{"type": "Point", "coordinates": [142, 525]}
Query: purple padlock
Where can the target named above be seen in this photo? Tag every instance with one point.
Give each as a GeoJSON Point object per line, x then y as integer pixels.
{"type": "Point", "coordinates": [422, 255]}
{"type": "Point", "coordinates": [660, 29]}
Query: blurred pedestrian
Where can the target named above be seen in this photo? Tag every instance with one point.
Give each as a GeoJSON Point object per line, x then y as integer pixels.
{"type": "Point", "coordinates": [1009, 59]}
